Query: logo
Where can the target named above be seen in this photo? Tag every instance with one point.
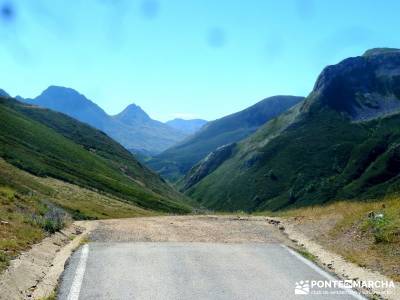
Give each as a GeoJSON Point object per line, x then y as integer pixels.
{"type": "Point", "coordinates": [340, 287]}
{"type": "Point", "coordinates": [302, 287]}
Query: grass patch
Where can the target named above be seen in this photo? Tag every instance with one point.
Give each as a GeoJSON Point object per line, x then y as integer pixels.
{"type": "Point", "coordinates": [307, 255]}
{"type": "Point", "coordinates": [17, 232]}
{"type": "Point", "coordinates": [384, 226]}
{"type": "Point", "coordinates": [52, 296]}
{"type": "Point", "coordinates": [84, 240]}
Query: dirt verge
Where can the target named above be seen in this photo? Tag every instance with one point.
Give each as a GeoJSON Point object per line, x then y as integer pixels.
{"type": "Point", "coordinates": [34, 274]}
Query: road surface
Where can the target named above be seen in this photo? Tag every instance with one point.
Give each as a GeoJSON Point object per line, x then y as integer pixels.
{"type": "Point", "coordinates": [191, 258]}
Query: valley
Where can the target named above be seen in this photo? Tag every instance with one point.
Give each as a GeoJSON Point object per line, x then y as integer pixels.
{"type": "Point", "coordinates": [174, 150]}
{"type": "Point", "coordinates": [176, 161]}
{"type": "Point", "coordinates": [317, 176]}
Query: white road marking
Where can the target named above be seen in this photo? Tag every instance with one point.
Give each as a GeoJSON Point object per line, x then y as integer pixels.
{"type": "Point", "coordinates": [321, 272]}
{"type": "Point", "coordinates": [80, 272]}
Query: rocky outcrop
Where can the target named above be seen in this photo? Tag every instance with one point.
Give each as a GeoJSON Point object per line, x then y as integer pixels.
{"type": "Point", "coordinates": [208, 165]}
{"type": "Point", "coordinates": [364, 87]}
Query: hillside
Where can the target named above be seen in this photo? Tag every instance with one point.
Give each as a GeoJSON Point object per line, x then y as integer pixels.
{"type": "Point", "coordinates": [51, 144]}
{"type": "Point", "coordinates": [341, 143]}
{"type": "Point", "coordinates": [132, 128]}
{"type": "Point", "coordinates": [177, 161]}
{"type": "Point", "coordinates": [187, 126]}
{"type": "Point", "coordinates": [32, 207]}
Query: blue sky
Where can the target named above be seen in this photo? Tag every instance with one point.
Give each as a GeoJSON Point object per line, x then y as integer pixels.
{"type": "Point", "coordinates": [197, 58]}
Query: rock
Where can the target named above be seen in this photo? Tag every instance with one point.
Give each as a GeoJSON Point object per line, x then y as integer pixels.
{"type": "Point", "coordinates": [273, 222]}
{"type": "Point", "coordinates": [208, 165]}
{"type": "Point", "coordinates": [374, 215]}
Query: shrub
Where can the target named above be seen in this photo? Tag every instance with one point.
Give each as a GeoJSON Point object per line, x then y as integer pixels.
{"type": "Point", "coordinates": [53, 220]}
{"type": "Point", "coordinates": [7, 194]}
{"type": "Point", "coordinates": [4, 259]}
{"type": "Point", "coordinates": [53, 226]}
{"type": "Point", "coordinates": [383, 229]}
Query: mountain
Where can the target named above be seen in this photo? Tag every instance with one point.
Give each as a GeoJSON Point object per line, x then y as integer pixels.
{"type": "Point", "coordinates": [3, 93]}
{"type": "Point", "coordinates": [74, 104]}
{"type": "Point", "coordinates": [341, 143]}
{"type": "Point", "coordinates": [187, 126]}
{"type": "Point", "coordinates": [177, 161]}
{"type": "Point", "coordinates": [50, 144]}
{"type": "Point", "coordinates": [132, 115]}
{"type": "Point", "coordinates": [133, 128]}
{"type": "Point", "coordinates": [143, 134]}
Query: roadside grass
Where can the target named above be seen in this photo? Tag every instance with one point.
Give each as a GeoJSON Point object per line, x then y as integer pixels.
{"type": "Point", "coordinates": [84, 240]}
{"type": "Point", "coordinates": [365, 233]}
{"type": "Point", "coordinates": [52, 296]}
{"type": "Point", "coordinates": [32, 207]}
{"type": "Point", "coordinates": [306, 254]}
{"type": "Point", "coordinates": [17, 232]}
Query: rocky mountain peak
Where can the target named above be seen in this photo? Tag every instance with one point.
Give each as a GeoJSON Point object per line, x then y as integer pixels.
{"type": "Point", "coordinates": [61, 92]}
{"type": "Point", "coordinates": [364, 87]}
{"type": "Point", "coordinates": [380, 51]}
{"type": "Point", "coordinates": [132, 114]}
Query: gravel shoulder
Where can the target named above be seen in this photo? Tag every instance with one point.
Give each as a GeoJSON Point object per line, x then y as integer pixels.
{"type": "Point", "coordinates": [214, 229]}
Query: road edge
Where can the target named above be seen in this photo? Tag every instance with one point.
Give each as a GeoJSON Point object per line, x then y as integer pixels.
{"type": "Point", "coordinates": [336, 264]}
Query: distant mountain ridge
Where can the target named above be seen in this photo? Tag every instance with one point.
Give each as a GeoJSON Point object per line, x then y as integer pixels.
{"type": "Point", "coordinates": [133, 128]}
{"type": "Point", "coordinates": [74, 104]}
{"type": "Point", "coordinates": [342, 142]}
{"type": "Point", "coordinates": [187, 126]}
{"type": "Point", "coordinates": [176, 161]}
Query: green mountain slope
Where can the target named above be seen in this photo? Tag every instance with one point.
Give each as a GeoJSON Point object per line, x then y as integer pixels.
{"type": "Point", "coordinates": [46, 143]}
{"type": "Point", "coordinates": [343, 142]}
{"type": "Point", "coordinates": [177, 161]}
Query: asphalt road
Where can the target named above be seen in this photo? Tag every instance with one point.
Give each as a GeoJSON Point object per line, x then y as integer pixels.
{"type": "Point", "coordinates": [190, 270]}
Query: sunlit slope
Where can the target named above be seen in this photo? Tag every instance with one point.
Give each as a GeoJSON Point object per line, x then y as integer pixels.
{"type": "Point", "coordinates": [46, 143]}
{"type": "Point", "coordinates": [344, 142]}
